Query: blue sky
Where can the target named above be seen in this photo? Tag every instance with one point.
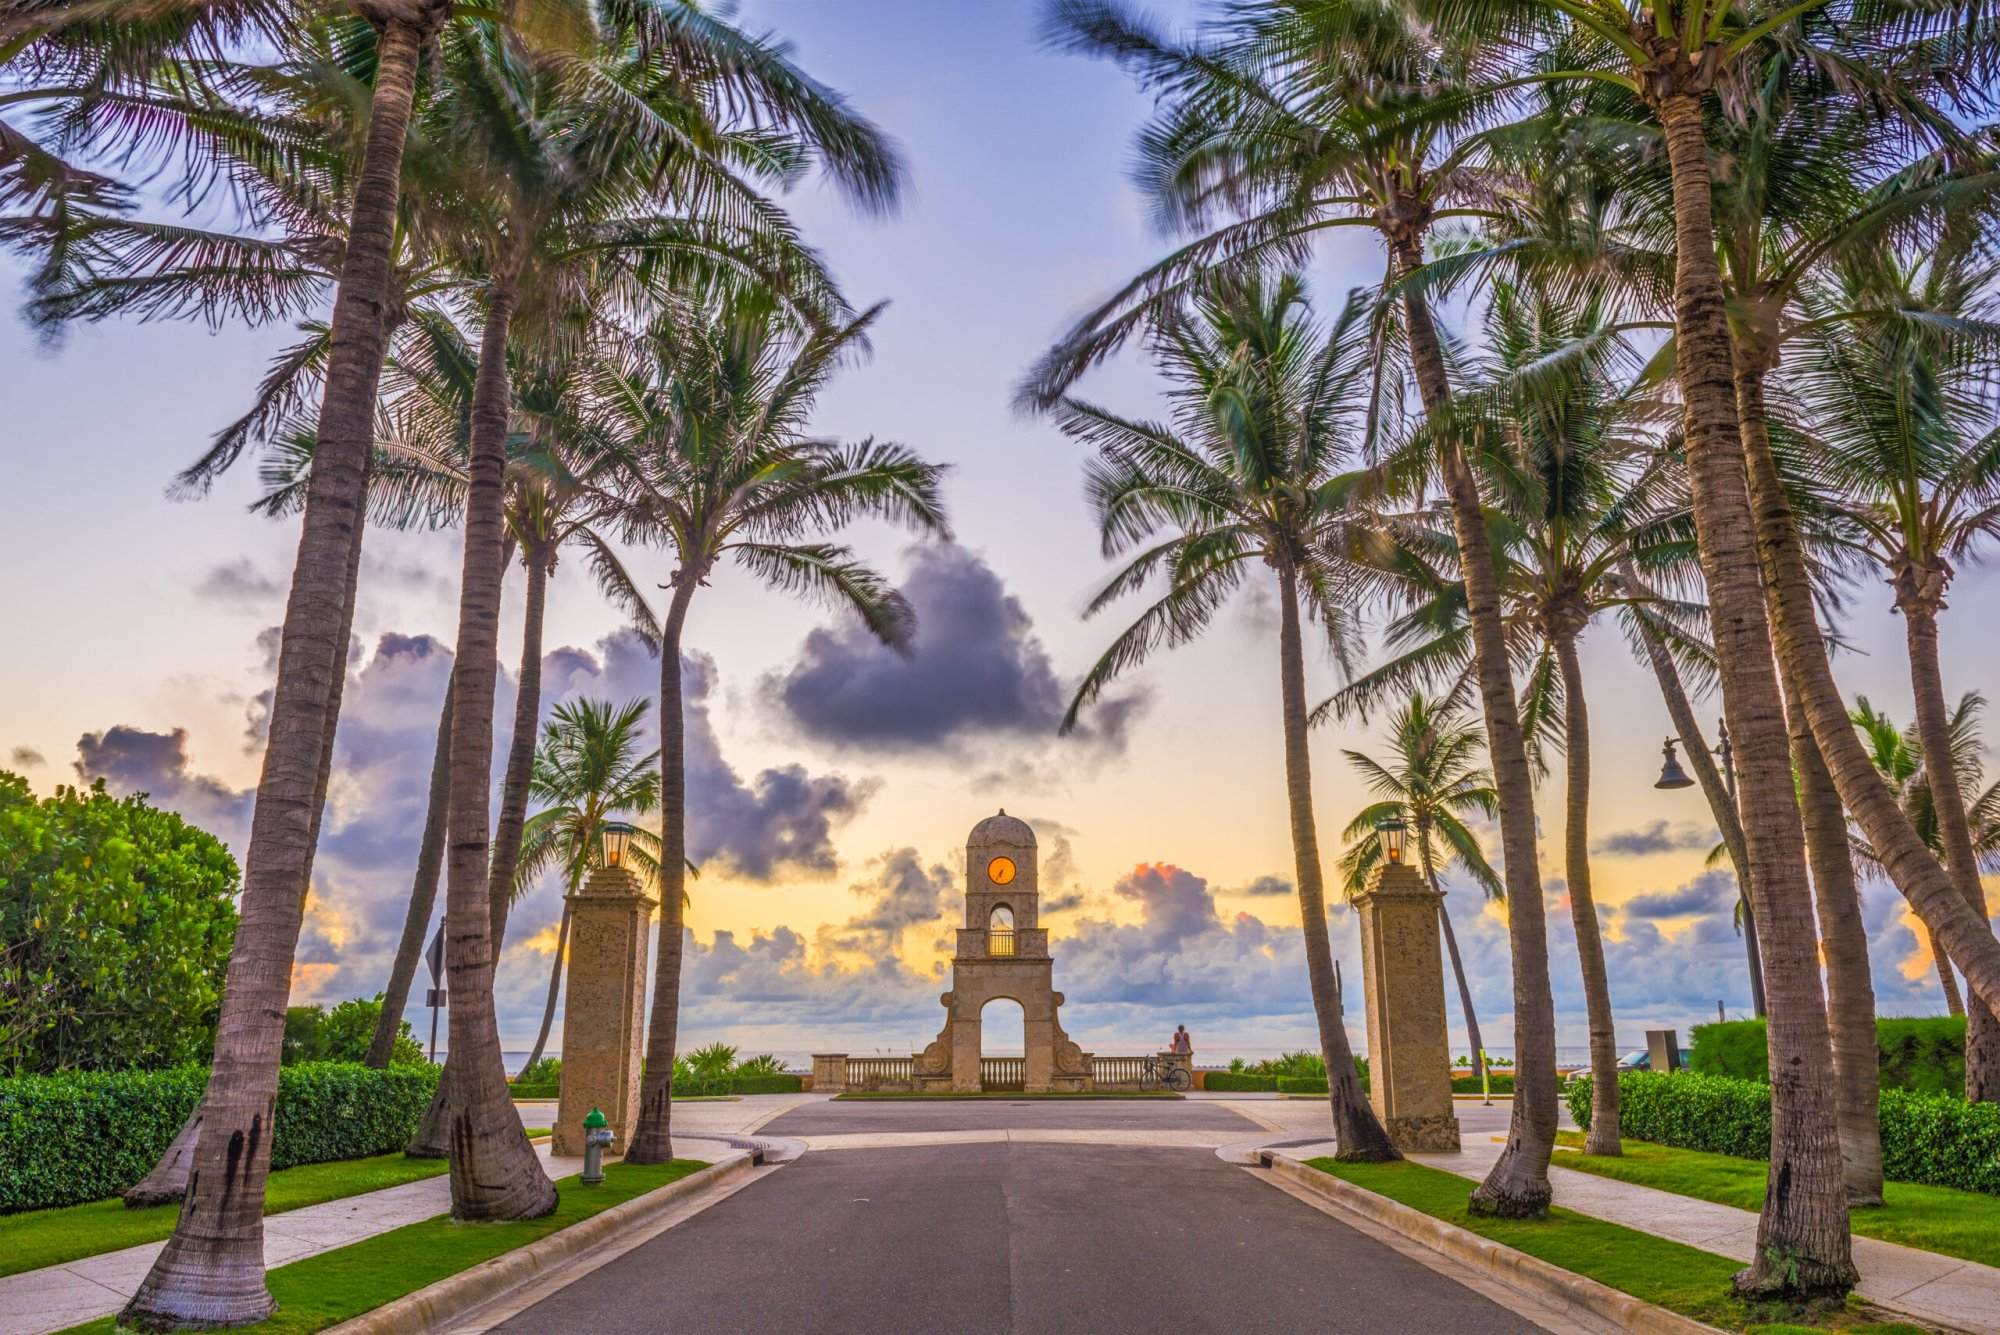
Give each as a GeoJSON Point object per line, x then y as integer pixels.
{"type": "Point", "coordinates": [835, 842]}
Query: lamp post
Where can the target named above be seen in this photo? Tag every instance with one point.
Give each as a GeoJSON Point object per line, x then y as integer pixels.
{"type": "Point", "coordinates": [1393, 835]}
{"type": "Point", "coordinates": [615, 837]}
{"type": "Point", "coordinates": [1673, 776]}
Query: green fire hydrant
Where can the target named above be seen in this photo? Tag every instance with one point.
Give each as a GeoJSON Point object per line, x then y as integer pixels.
{"type": "Point", "coordinates": [596, 1135]}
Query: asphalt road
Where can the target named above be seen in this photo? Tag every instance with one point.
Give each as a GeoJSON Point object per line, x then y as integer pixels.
{"type": "Point", "coordinates": [833, 1117]}
{"type": "Point", "coordinates": [1033, 1239]}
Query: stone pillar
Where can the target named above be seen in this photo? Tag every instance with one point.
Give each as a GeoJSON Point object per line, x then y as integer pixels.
{"type": "Point", "coordinates": [1409, 1055]}
{"type": "Point", "coordinates": [829, 1072]}
{"type": "Point", "coordinates": [604, 1011]}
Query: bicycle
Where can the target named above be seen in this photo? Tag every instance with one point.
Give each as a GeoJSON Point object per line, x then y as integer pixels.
{"type": "Point", "coordinates": [1173, 1077]}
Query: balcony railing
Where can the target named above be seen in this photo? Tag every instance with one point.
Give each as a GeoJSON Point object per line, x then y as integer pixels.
{"type": "Point", "coordinates": [1003, 1073]}
{"type": "Point", "coordinates": [1000, 943]}
{"type": "Point", "coordinates": [1108, 1072]}
{"type": "Point", "coordinates": [868, 1073]}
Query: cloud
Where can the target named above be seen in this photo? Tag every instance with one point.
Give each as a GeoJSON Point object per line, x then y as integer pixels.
{"type": "Point", "coordinates": [1710, 892]}
{"type": "Point", "coordinates": [778, 823]}
{"type": "Point", "coordinates": [1264, 887]}
{"type": "Point", "coordinates": [134, 760]}
{"type": "Point", "coordinates": [902, 894]}
{"type": "Point", "coordinates": [237, 583]}
{"type": "Point", "coordinates": [976, 671]}
{"type": "Point", "coordinates": [1658, 837]}
{"type": "Point", "coordinates": [27, 757]}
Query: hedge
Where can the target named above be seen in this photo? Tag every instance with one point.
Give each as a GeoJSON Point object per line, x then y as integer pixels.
{"type": "Point", "coordinates": [65, 1139]}
{"type": "Point", "coordinates": [1469, 1084]}
{"type": "Point", "coordinates": [1238, 1082]}
{"type": "Point", "coordinates": [766, 1084]}
{"type": "Point", "coordinates": [1929, 1138]}
{"type": "Point", "coordinates": [1301, 1084]}
{"type": "Point", "coordinates": [1922, 1056]}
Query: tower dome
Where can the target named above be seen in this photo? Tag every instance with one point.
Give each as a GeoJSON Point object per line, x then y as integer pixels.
{"type": "Point", "coordinates": [1003, 829]}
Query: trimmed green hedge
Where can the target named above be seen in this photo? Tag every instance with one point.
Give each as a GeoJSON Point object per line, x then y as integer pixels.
{"type": "Point", "coordinates": [1469, 1084]}
{"type": "Point", "coordinates": [1238, 1082]}
{"type": "Point", "coordinates": [766, 1084]}
{"type": "Point", "coordinates": [1928, 1138]}
{"type": "Point", "coordinates": [65, 1139]}
{"type": "Point", "coordinates": [535, 1091]}
{"type": "Point", "coordinates": [1301, 1084]}
{"type": "Point", "coordinates": [1922, 1056]}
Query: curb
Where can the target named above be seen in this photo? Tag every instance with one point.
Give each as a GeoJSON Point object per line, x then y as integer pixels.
{"type": "Point", "coordinates": [455, 1296]}
{"type": "Point", "coordinates": [1559, 1288]}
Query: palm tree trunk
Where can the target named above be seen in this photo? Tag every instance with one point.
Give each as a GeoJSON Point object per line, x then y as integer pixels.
{"type": "Point", "coordinates": [1803, 1250]}
{"type": "Point", "coordinates": [1357, 1131]}
{"type": "Point", "coordinates": [423, 897]}
{"type": "Point", "coordinates": [652, 1140]}
{"type": "Point", "coordinates": [555, 989]}
{"type": "Point", "coordinates": [1850, 992]}
{"type": "Point", "coordinates": [168, 1180]}
{"type": "Point", "coordinates": [1721, 802]}
{"type": "Point", "coordinates": [211, 1271]}
{"type": "Point", "coordinates": [1982, 1034]}
{"type": "Point", "coordinates": [1954, 1003]}
{"type": "Point", "coordinates": [1451, 949]}
{"type": "Point", "coordinates": [1518, 1185]}
{"type": "Point", "coordinates": [520, 747]}
{"type": "Point", "coordinates": [494, 1171]}
{"type": "Point", "coordinates": [1603, 1136]}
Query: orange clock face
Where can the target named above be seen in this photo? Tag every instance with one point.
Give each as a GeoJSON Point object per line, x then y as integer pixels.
{"type": "Point", "coordinates": [1000, 871]}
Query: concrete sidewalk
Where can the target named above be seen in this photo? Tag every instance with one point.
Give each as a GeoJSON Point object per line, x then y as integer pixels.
{"type": "Point", "coordinates": [1961, 1294]}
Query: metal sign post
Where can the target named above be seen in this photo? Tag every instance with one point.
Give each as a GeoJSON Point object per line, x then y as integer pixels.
{"type": "Point", "coordinates": [436, 999]}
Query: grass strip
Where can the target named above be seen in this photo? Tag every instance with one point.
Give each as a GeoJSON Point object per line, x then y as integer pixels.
{"type": "Point", "coordinates": [1657, 1270]}
{"type": "Point", "coordinates": [338, 1285]}
{"type": "Point", "coordinates": [1964, 1224]}
{"type": "Point", "coordinates": [37, 1238]}
{"type": "Point", "coordinates": [857, 1096]}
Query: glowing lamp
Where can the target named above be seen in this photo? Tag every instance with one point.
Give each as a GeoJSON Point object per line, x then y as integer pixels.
{"type": "Point", "coordinates": [617, 835]}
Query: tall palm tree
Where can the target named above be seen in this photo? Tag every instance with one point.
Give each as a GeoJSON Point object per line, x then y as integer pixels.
{"type": "Point", "coordinates": [1578, 493]}
{"type": "Point", "coordinates": [1250, 471]}
{"type": "Point", "coordinates": [1431, 783]}
{"type": "Point", "coordinates": [1281, 118]}
{"type": "Point", "coordinates": [587, 770]}
{"type": "Point", "coordinates": [710, 420]}
{"type": "Point", "coordinates": [1896, 375]}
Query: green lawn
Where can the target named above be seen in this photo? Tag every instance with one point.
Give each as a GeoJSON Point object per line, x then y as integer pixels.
{"type": "Point", "coordinates": [1965, 1224]}
{"type": "Point", "coordinates": [324, 1290]}
{"type": "Point", "coordinates": [1684, 1279]}
{"type": "Point", "coordinates": [37, 1238]}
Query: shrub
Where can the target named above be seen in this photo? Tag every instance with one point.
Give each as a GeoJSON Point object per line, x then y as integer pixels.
{"type": "Point", "coordinates": [343, 1034]}
{"type": "Point", "coordinates": [779, 1082]}
{"type": "Point", "coordinates": [1929, 1138]}
{"type": "Point", "coordinates": [1469, 1084]}
{"type": "Point", "coordinates": [1301, 1084]}
{"type": "Point", "coordinates": [1238, 1082]}
{"type": "Point", "coordinates": [84, 1136]}
{"type": "Point", "coordinates": [116, 921]}
{"type": "Point", "coordinates": [1922, 1056]}
{"type": "Point", "coordinates": [541, 1071]}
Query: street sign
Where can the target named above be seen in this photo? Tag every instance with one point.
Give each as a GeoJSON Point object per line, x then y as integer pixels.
{"type": "Point", "coordinates": [434, 957]}
{"type": "Point", "coordinates": [435, 997]}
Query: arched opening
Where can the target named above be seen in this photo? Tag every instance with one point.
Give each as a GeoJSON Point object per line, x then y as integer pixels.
{"type": "Point", "coordinates": [1000, 931]}
{"type": "Point", "coordinates": [1003, 1034]}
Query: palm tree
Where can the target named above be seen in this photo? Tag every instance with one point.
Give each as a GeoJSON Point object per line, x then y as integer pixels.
{"type": "Point", "coordinates": [587, 769]}
{"type": "Point", "coordinates": [710, 419]}
{"type": "Point", "coordinates": [1250, 470]}
{"type": "Point", "coordinates": [1577, 495]}
{"type": "Point", "coordinates": [1431, 784]}
{"type": "Point", "coordinates": [1282, 115]}
{"type": "Point", "coordinates": [1897, 378]}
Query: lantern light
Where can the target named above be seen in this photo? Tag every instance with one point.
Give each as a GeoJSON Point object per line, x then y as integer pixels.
{"type": "Point", "coordinates": [616, 834]}
{"type": "Point", "coordinates": [1671, 773]}
{"type": "Point", "coordinates": [1391, 831]}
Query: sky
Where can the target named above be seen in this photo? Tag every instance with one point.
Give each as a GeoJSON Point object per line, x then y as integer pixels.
{"type": "Point", "coordinates": [832, 783]}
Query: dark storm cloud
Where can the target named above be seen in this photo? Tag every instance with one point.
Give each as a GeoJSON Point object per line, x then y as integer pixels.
{"type": "Point", "coordinates": [133, 760]}
{"type": "Point", "coordinates": [237, 583]}
{"type": "Point", "coordinates": [1711, 892]}
{"type": "Point", "coordinates": [901, 894]}
{"type": "Point", "coordinates": [1659, 837]}
{"type": "Point", "coordinates": [27, 757]}
{"type": "Point", "coordinates": [975, 670]}
{"type": "Point", "coordinates": [780, 822]}
{"type": "Point", "coordinates": [1264, 887]}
